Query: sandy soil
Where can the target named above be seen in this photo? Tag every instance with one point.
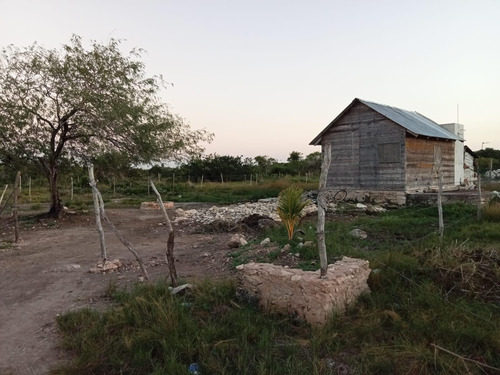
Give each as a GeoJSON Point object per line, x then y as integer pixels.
{"type": "Point", "coordinates": [47, 274]}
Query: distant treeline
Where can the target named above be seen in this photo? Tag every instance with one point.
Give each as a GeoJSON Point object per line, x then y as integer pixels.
{"type": "Point", "coordinates": [211, 167]}
{"type": "Point", "coordinates": [488, 158]}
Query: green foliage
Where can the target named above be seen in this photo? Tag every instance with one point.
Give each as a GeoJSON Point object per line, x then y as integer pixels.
{"type": "Point", "coordinates": [78, 105]}
{"type": "Point", "coordinates": [488, 157]}
{"type": "Point", "coordinates": [211, 167]}
{"type": "Point", "coordinates": [290, 205]}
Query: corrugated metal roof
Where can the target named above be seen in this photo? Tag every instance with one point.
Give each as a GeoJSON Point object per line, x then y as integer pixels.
{"type": "Point", "coordinates": [414, 122]}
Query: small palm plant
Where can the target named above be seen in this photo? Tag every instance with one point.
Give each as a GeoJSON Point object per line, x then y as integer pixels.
{"type": "Point", "coordinates": [290, 205]}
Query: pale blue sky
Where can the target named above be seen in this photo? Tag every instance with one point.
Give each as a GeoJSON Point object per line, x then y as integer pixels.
{"type": "Point", "coordinates": [267, 76]}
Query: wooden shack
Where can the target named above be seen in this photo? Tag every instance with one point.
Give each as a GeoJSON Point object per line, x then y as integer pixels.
{"type": "Point", "coordinates": [381, 153]}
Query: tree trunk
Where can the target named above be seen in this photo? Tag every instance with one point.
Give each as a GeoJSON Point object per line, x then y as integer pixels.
{"type": "Point", "coordinates": [56, 205]}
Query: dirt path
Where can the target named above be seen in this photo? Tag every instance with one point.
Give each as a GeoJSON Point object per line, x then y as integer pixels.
{"type": "Point", "coordinates": [47, 274]}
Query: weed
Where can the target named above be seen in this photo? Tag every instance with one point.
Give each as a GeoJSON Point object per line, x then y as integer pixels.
{"type": "Point", "coordinates": [491, 212]}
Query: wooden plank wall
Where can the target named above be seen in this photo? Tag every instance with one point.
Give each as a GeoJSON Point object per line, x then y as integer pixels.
{"type": "Point", "coordinates": [422, 166]}
{"type": "Point", "coordinates": [355, 164]}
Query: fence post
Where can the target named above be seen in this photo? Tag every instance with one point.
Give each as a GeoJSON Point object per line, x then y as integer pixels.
{"type": "Point", "coordinates": [97, 210]}
{"type": "Point", "coordinates": [17, 189]}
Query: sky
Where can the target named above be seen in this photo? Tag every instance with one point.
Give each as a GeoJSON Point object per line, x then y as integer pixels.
{"type": "Point", "coordinates": [267, 76]}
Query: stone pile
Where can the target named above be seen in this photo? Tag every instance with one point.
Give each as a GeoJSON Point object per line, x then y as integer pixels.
{"type": "Point", "coordinates": [231, 214]}
{"type": "Point", "coordinates": [304, 293]}
{"type": "Point", "coordinates": [495, 174]}
{"type": "Point", "coordinates": [264, 207]}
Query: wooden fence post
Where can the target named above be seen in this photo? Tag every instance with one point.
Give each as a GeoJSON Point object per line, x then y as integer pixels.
{"type": "Point", "coordinates": [320, 230]}
{"type": "Point", "coordinates": [97, 210]}
{"type": "Point", "coordinates": [15, 209]}
{"type": "Point", "coordinates": [440, 205]}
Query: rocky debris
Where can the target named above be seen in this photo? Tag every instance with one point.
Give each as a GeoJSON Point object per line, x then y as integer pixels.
{"type": "Point", "coordinates": [233, 213]}
{"type": "Point", "coordinates": [181, 289]}
{"type": "Point", "coordinates": [122, 266]}
{"type": "Point", "coordinates": [267, 223]}
{"type": "Point", "coordinates": [253, 221]}
{"type": "Point", "coordinates": [286, 248]}
{"type": "Point", "coordinates": [361, 206]}
{"type": "Point", "coordinates": [358, 233]}
{"type": "Point", "coordinates": [495, 197]}
{"type": "Point", "coordinates": [262, 213]}
{"type": "Point", "coordinates": [236, 241]}
{"type": "Point", "coordinates": [304, 293]}
{"type": "Point", "coordinates": [370, 209]}
{"type": "Point", "coordinates": [494, 174]}
{"type": "Point", "coordinates": [156, 206]}
{"type": "Point", "coordinates": [107, 266]}
{"type": "Point", "coordinates": [254, 215]}
{"type": "Point", "coordinates": [265, 241]}
{"type": "Point", "coordinates": [310, 209]}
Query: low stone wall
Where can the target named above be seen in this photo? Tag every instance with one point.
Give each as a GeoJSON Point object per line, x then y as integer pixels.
{"type": "Point", "coordinates": [304, 292]}
{"type": "Point", "coordinates": [463, 196]}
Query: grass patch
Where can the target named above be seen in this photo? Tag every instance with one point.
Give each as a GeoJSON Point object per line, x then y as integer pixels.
{"type": "Point", "coordinates": [152, 332]}
{"type": "Point", "coordinates": [425, 292]}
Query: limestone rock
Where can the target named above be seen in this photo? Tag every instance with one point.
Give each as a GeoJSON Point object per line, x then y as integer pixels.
{"type": "Point", "coordinates": [361, 206]}
{"type": "Point", "coordinates": [156, 206]}
{"type": "Point", "coordinates": [304, 293]}
{"type": "Point", "coordinates": [265, 241]}
{"type": "Point", "coordinates": [236, 241]}
{"type": "Point", "coordinates": [358, 233]}
{"type": "Point", "coordinates": [286, 248]}
{"type": "Point", "coordinates": [107, 266]}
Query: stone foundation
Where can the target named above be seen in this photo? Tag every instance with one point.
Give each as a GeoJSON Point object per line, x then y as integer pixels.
{"type": "Point", "coordinates": [303, 293]}
{"type": "Point", "coordinates": [378, 196]}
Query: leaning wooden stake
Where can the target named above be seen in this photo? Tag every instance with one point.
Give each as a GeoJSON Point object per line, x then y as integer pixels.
{"type": "Point", "coordinates": [98, 223]}
{"type": "Point", "coordinates": [122, 239]}
{"type": "Point", "coordinates": [170, 240]}
{"type": "Point", "coordinates": [15, 209]}
{"type": "Point", "coordinates": [320, 230]}
{"type": "Point", "coordinates": [3, 193]}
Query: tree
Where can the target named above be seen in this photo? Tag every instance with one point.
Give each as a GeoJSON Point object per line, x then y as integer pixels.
{"type": "Point", "coordinates": [75, 103]}
{"type": "Point", "coordinates": [294, 157]}
{"type": "Point", "coordinates": [264, 163]}
{"type": "Point", "coordinates": [312, 162]}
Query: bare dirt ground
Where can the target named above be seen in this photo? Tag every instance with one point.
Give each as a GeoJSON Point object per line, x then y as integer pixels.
{"type": "Point", "coordinates": [47, 274]}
